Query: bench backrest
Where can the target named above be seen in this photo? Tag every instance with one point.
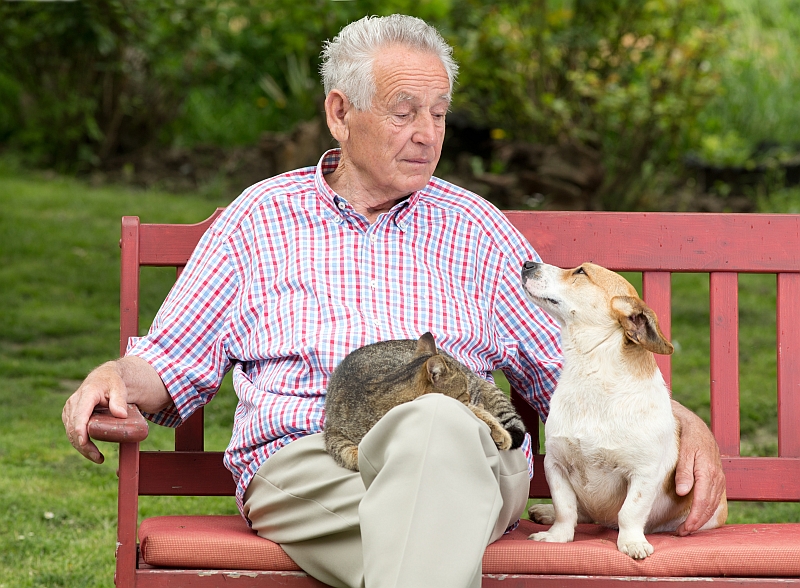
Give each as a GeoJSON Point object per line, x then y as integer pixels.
{"type": "Point", "coordinates": [655, 244]}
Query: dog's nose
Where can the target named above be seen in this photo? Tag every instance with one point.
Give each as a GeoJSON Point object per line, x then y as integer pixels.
{"type": "Point", "coordinates": [530, 265]}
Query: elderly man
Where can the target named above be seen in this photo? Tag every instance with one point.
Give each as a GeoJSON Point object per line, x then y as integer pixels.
{"type": "Point", "coordinates": [303, 268]}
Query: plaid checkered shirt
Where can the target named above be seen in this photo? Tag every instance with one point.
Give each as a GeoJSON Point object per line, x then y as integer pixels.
{"type": "Point", "coordinates": [290, 278]}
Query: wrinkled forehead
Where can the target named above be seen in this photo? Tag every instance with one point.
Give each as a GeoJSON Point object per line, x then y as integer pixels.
{"type": "Point", "coordinates": [405, 73]}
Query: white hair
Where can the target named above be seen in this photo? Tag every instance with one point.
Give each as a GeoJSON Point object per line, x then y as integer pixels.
{"type": "Point", "coordinates": [347, 61]}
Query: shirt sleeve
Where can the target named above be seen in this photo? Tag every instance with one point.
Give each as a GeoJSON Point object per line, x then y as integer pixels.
{"type": "Point", "coordinates": [187, 341]}
{"type": "Point", "coordinates": [533, 338]}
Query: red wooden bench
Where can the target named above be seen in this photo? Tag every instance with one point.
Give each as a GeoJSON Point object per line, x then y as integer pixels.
{"type": "Point", "coordinates": [206, 551]}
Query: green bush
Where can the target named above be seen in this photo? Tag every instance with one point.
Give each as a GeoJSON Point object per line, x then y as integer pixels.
{"type": "Point", "coordinates": [83, 82]}
{"type": "Point", "coordinates": [95, 78]}
{"type": "Point", "coordinates": [625, 77]}
{"type": "Point", "coordinates": [760, 81]}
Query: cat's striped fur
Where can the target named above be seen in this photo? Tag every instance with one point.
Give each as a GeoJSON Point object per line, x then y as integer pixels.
{"type": "Point", "coordinates": [375, 378]}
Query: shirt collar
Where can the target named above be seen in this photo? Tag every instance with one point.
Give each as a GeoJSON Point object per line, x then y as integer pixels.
{"type": "Point", "coordinates": [340, 209]}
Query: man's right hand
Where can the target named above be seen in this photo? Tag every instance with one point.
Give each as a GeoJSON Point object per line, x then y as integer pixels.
{"type": "Point", "coordinates": [112, 385]}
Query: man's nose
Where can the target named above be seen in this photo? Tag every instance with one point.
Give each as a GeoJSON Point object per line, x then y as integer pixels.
{"type": "Point", "coordinates": [426, 129]}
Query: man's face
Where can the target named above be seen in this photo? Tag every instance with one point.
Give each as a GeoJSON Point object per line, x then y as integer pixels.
{"type": "Point", "coordinates": [394, 147]}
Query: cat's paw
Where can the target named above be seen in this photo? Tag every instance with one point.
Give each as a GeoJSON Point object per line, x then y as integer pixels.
{"type": "Point", "coordinates": [517, 436]}
{"type": "Point", "coordinates": [501, 438]}
{"type": "Point", "coordinates": [348, 458]}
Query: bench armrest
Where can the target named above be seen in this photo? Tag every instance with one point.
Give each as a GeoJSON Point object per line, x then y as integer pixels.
{"type": "Point", "coordinates": [103, 426]}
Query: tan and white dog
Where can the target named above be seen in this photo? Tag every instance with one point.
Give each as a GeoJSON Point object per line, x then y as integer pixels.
{"type": "Point", "coordinates": [611, 438]}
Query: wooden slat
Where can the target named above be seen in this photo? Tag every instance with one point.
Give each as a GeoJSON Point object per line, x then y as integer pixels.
{"type": "Point", "coordinates": [762, 478]}
{"type": "Point", "coordinates": [127, 513]}
{"type": "Point", "coordinates": [171, 245]}
{"type": "Point", "coordinates": [190, 436]}
{"type": "Point", "coordinates": [542, 581]}
{"type": "Point", "coordinates": [103, 426]}
{"type": "Point", "coordinates": [539, 487]}
{"type": "Point", "coordinates": [657, 292]}
{"type": "Point", "coordinates": [529, 580]}
{"type": "Point", "coordinates": [184, 473]}
{"type": "Point", "coordinates": [529, 417]}
{"type": "Point", "coordinates": [747, 478]}
{"type": "Point", "coordinates": [724, 347]}
{"type": "Point", "coordinates": [165, 578]}
{"type": "Point", "coordinates": [788, 350]}
{"type": "Point", "coordinates": [691, 242]}
{"type": "Point", "coordinates": [129, 282]}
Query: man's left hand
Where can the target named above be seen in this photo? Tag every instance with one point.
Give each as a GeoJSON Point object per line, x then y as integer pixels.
{"type": "Point", "coordinates": [699, 467]}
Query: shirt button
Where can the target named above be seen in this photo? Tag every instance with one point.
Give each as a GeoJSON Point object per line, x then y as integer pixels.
{"type": "Point", "coordinates": [341, 205]}
{"type": "Point", "coordinates": [373, 238]}
{"type": "Point", "coordinates": [374, 284]}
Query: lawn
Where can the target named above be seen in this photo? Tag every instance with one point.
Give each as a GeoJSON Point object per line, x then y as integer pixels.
{"type": "Point", "coordinates": [59, 272]}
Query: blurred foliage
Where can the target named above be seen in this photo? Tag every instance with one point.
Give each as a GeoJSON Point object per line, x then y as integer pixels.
{"type": "Point", "coordinates": [83, 84]}
{"type": "Point", "coordinates": [759, 84]}
{"type": "Point", "coordinates": [90, 79]}
{"type": "Point", "coordinates": [625, 77]}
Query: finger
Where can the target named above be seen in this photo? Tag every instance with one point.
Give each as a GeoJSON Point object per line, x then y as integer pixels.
{"type": "Point", "coordinates": [709, 489]}
{"type": "Point", "coordinates": [684, 472]}
{"type": "Point", "coordinates": [118, 400]}
{"type": "Point", "coordinates": [701, 509]}
{"type": "Point", "coordinates": [77, 430]}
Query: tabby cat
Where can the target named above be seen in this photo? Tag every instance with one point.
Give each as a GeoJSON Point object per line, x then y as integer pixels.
{"type": "Point", "coordinates": [375, 378]}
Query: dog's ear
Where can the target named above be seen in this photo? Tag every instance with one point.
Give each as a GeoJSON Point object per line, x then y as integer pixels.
{"type": "Point", "coordinates": [426, 345]}
{"type": "Point", "coordinates": [640, 324]}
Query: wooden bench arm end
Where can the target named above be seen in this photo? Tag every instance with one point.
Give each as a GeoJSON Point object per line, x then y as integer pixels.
{"type": "Point", "coordinates": [103, 426]}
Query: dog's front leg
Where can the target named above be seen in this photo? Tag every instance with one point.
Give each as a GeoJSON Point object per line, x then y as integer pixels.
{"type": "Point", "coordinates": [565, 504]}
{"type": "Point", "coordinates": [633, 518]}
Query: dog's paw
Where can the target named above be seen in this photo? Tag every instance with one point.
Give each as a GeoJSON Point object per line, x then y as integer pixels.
{"type": "Point", "coordinates": [544, 514]}
{"type": "Point", "coordinates": [636, 549]}
{"type": "Point", "coordinates": [541, 536]}
{"type": "Point", "coordinates": [556, 534]}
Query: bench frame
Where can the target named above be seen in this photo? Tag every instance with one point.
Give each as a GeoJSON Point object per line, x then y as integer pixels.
{"type": "Point", "coordinates": [655, 244]}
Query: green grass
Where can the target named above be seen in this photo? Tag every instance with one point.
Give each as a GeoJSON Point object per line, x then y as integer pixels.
{"type": "Point", "coordinates": [59, 272]}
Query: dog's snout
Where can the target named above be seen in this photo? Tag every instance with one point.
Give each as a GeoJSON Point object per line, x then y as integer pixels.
{"type": "Point", "coordinates": [530, 265]}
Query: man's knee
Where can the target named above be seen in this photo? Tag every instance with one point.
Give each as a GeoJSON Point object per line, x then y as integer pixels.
{"type": "Point", "coordinates": [433, 426]}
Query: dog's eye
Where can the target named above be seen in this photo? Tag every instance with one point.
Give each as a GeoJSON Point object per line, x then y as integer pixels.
{"type": "Point", "coordinates": [578, 271]}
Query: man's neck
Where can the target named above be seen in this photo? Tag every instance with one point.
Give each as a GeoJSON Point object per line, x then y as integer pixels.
{"type": "Point", "coordinates": [359, 196]}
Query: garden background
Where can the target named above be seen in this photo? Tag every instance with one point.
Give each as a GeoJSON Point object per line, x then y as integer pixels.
{"type": "Point", "coordinates": [168, 110]}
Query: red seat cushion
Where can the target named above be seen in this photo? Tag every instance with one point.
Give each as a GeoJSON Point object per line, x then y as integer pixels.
{"type": "Point", "coordinates": [732, 550]}
{"type": "Point", "coordinates": [209, 542]}
{"type": "Point", "coordinates": [226, 542]}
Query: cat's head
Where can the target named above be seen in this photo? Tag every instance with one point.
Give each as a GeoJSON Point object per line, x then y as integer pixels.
{"type": "Point", "coordinates": [440, 373]}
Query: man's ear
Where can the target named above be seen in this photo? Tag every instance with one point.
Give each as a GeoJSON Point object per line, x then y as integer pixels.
{"type": "Point", "coordinates": [337, 105]}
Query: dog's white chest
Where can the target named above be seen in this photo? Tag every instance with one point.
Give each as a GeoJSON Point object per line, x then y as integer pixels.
{"type": "Point", "coordinates": [600, 439]}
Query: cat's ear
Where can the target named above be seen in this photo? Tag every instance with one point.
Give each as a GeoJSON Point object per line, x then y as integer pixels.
{"type": "Point", "coordinates": [426, 345]}
{"type": "Point", "coordinates": [437, 368]}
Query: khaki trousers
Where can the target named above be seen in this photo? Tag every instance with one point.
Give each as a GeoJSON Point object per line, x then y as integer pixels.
{"type": "Point", "coordinates": [432, 492]}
